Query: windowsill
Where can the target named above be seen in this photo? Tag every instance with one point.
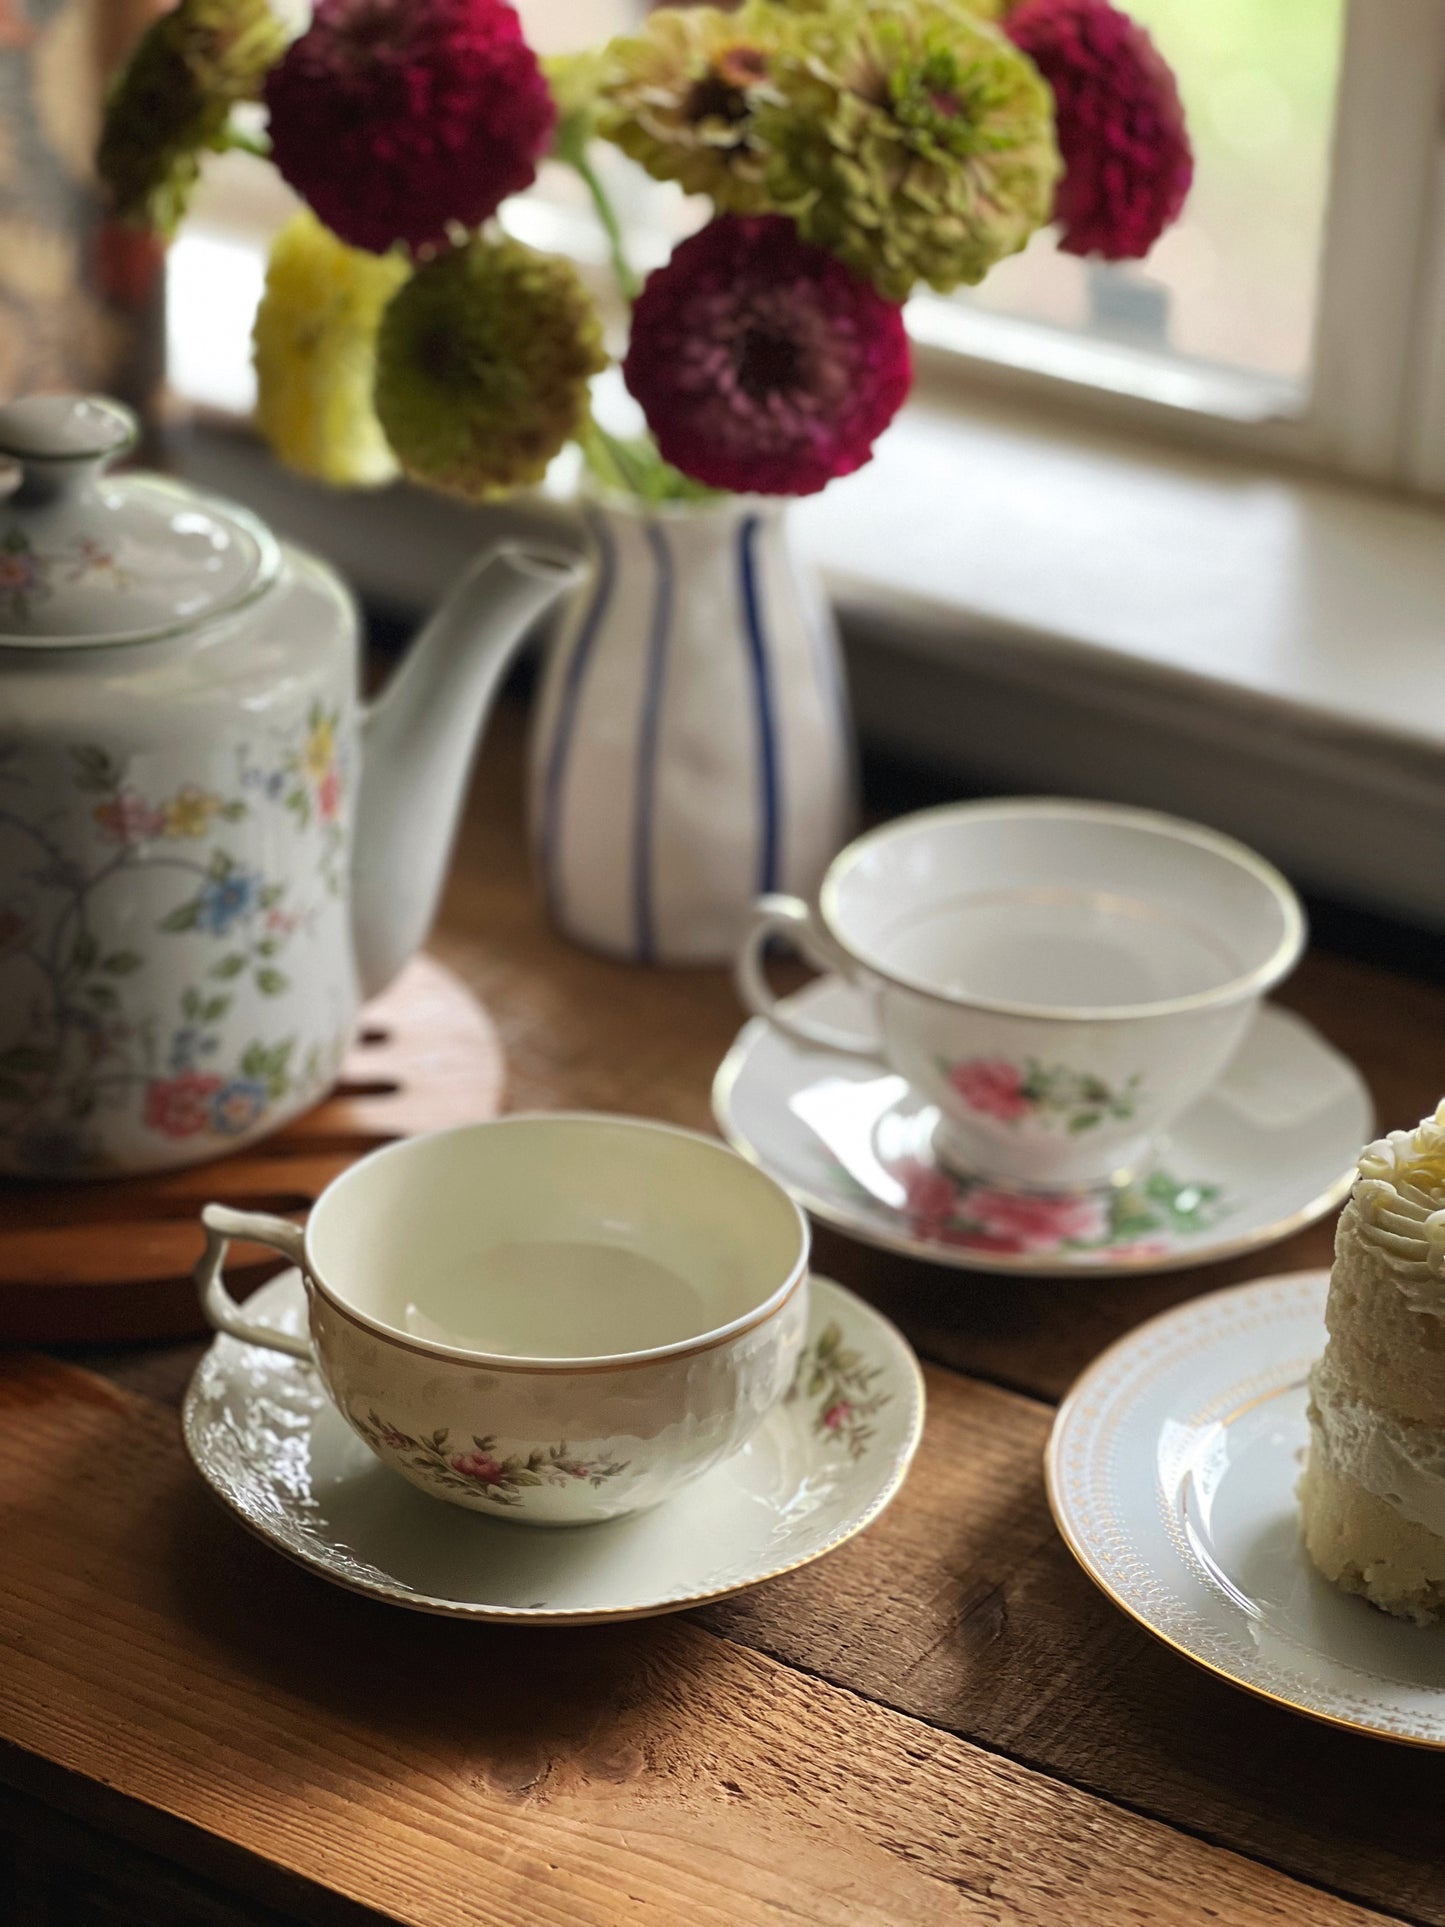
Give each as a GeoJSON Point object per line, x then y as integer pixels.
{"type": "Point", "coordinates": [1317, 602]}
{"type": "Point", "coordinates": [1031, 601]}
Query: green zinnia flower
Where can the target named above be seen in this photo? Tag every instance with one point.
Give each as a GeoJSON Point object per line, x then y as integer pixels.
{"type": "Point", "coordinates": [173, 99]}
{"type": "Point", "coordinates": [483, 364]}
{"type": "Point", "coordinates": [315, 354]}
{"type": "Point", "coordinates": [991, 10]}
{"type": "Point", "coordinates": [915, 142]}
{"type": "Point", "coordinates": [682, 97]}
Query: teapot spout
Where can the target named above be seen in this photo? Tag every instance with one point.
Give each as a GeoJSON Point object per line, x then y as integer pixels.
{"type": "Point", "coordinates": [418, 742]}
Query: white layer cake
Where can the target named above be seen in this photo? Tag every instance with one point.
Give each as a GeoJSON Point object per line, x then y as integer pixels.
{"type": "Point", "coordinates": [1373, 1493]}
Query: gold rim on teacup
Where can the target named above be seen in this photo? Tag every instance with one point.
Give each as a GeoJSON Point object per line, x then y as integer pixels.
{"type": "Point", "coordinates": [293, 1241]}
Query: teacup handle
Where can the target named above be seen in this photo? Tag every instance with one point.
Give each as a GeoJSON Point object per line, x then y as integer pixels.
{"type": "Point", "coordinates": [259, 1227]}
{"type": "Point", "coordinates": [799, 925]}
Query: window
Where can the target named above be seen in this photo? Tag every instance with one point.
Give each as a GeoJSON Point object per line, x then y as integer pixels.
{"type": "Point", "coordinates": [1235, 282]}
{"type": "Point", "coordinates": [1309, 326]}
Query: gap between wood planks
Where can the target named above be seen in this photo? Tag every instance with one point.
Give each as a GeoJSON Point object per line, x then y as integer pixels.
{"type": "Point", "coordinates": [1040, 1668]}
{"type": "Point", "coordinates": [962, 1607]}
{"type": "Point", "coordinates": [1047, 1771]}
{"type": "Point", "coordinates": [928, 1777]}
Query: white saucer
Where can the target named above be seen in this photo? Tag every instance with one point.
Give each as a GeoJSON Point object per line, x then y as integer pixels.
{"type": "Point", "coordinates": [265, 1437]}
{"type": "Point", "coordinates": [1172, 1471]}
{"type": "Point", "coordinates": [1270, 1149]}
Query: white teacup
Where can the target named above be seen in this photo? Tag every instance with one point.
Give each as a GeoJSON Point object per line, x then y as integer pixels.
{"type": "Point", "coordinates": [555, 1319]}
{"type": "Point", "coordinates": [1061, 979]}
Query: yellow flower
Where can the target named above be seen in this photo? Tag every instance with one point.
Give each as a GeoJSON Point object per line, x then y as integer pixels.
{"type": "Point", "coordinates": [315, 354]}
{"type": "Point", "coordinates": [320, 749]}
{"type": "Point", "coordinates": [189, 812]}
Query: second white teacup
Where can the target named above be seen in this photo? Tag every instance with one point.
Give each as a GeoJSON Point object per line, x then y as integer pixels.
{"type": "Point", "coordinates": [556, 1319]}
{"type": "Point", "coordinates": [1062, 979]}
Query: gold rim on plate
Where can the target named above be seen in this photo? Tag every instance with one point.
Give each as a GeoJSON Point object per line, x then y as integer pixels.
{"type": "Point", "coordinates": [1088, 1381]}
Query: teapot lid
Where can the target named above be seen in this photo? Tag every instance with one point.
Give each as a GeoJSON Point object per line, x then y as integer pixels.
{"type": "Point", "coordinates": [87, 558]}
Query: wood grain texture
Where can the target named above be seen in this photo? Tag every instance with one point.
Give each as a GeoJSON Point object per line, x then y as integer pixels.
{"type": "Point", "coordinates": [463, 1776]}
{"type": "Point", "coordinates": [963, 1607]}
{"type": "Point", "coordinates": [112, 1260]}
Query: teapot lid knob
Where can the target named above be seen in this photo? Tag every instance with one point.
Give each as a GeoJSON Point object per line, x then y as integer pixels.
{"type": "Point", "coordinates": [62, 441]}
{"type": "Point", "coordinates": [66, 428]}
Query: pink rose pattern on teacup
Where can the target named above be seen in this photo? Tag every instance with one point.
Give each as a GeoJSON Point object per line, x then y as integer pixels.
{"type": "Point", "coordinates": [992, 1087]}
{"type": "Point", "coordinates": [477, 1467]}
{"type": "Point", "coordinates": [1141, 1220]}
{"type": "Point", "coordinates": [1050, 1096]}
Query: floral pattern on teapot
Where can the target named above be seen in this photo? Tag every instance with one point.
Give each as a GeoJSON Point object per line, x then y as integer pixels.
{"type": "Point", "coordinates": [28, 575]}
{"type": "Point", "coordinates": [95, 1040]}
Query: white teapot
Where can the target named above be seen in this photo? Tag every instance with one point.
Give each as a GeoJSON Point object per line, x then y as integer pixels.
{"type": "Point", "coordinates": [197, 882]}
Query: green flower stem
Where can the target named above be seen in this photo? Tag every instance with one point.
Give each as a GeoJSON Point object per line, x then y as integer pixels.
{"type": "Point", "coordinates": [235, 140]}
{"type": "Point", "coordinates": [627, 278]}
{"type": "Point", "coordinates": [634, 467]}
{"type": "Point", "coordinates": [612, 461]}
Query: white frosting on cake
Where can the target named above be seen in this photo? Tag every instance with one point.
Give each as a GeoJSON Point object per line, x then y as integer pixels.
{"type": "Point", "coordinates": [1399, 1461]}
{"type": "Point", "coordinates": [1397, 1208]}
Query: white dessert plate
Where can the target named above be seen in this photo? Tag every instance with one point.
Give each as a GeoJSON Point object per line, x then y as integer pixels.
{"type": "Point", "coordinates": [1271, 1148]}
{"type": "Point", "coordinates": [1172, 1470]}
{"type": "Point", "coordinates": [268, 1441]}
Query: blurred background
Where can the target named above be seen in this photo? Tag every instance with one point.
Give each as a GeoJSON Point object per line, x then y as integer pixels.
{"type": "Point", "coordinates": [1165, 532]}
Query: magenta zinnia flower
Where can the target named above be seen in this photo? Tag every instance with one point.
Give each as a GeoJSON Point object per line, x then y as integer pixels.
{"type": "Point", "coordinates": [394, 118]}
{"type": "Point", "coordinates": [762, 365]}
{"type": "Point", "coordinates": [1119, 122]}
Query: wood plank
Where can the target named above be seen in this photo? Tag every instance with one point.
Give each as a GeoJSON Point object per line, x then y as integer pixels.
{"type": "Point", "coordinates": [467, 1776]}
{"type": "Point", "coordinates": [961, 1606]}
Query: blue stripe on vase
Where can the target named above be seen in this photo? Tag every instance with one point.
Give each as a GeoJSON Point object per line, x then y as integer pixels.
{"type": "Point", "coordinates": [652, 687]}
{"type": "Point", "coordinates": [763, 695]}
{"type": "Point", "coordinates": [567, 716]}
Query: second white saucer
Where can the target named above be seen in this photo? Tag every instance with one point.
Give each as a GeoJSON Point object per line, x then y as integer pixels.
{"type": "Point", "coordinates": [1271, 1148]}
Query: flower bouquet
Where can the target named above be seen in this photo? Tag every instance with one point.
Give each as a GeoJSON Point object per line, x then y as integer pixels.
{"type": "Point", "coordinates": [841, 152]}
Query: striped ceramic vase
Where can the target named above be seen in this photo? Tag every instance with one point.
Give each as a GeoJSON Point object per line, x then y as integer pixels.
{"type": "Point", "coordinates": [693, 746]}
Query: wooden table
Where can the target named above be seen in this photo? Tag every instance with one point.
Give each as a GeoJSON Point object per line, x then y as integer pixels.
{"type": "Point", "coordinates": [941, 1722]}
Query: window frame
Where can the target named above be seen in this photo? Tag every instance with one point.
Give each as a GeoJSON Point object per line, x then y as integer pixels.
{"type": "Point", "coordinates": [1373, 406]}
